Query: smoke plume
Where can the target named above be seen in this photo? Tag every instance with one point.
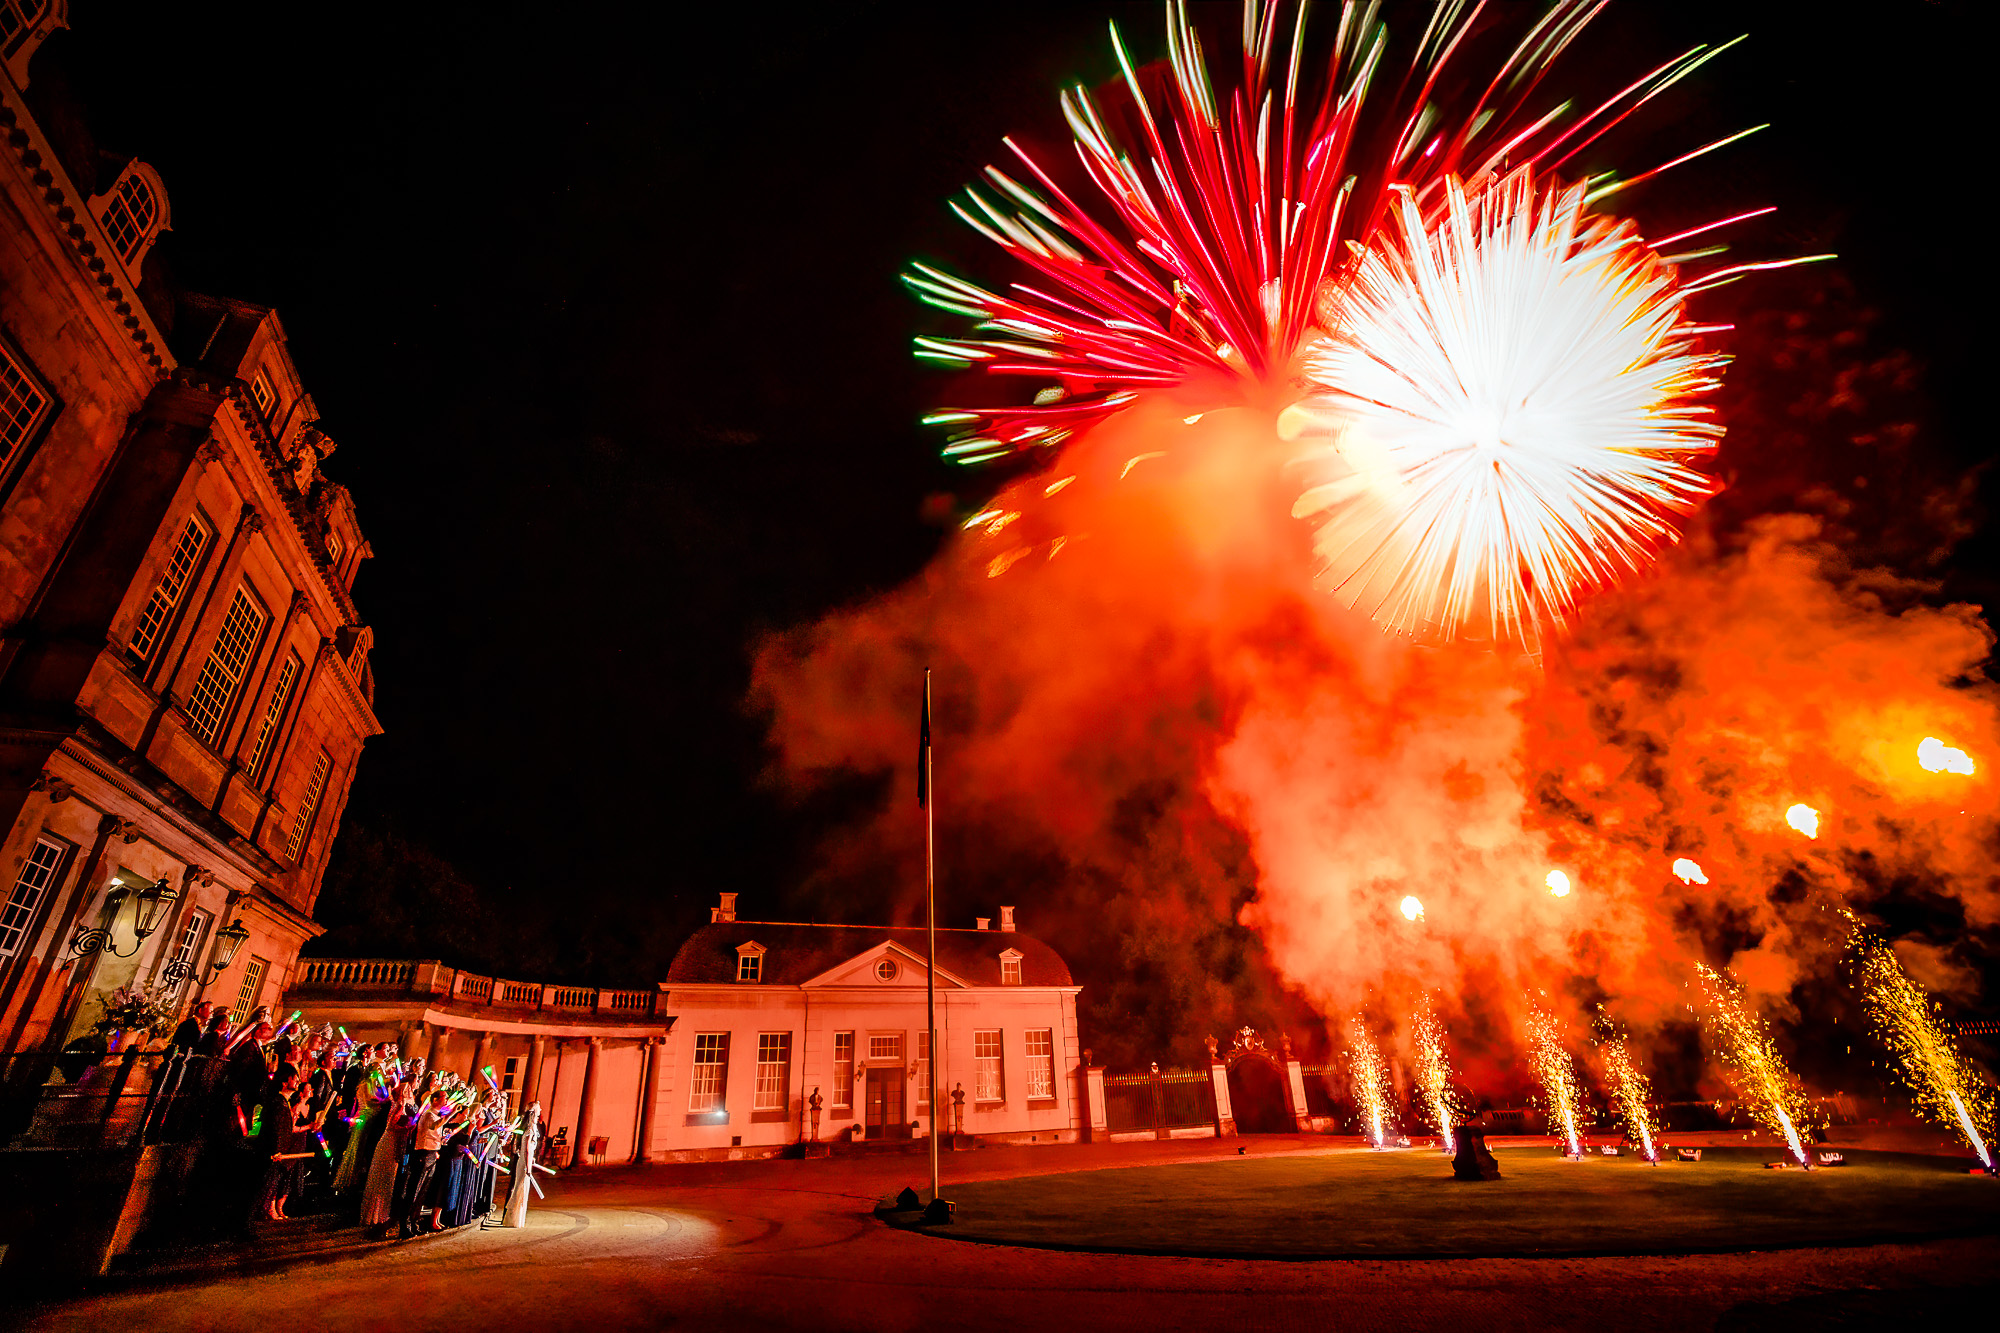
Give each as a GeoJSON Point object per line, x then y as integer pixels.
{"type": "Point", "coordinates": [1212, 788]}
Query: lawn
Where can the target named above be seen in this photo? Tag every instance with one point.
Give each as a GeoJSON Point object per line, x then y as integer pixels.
{"type": "Point", "coordinates": [1361, 1203]}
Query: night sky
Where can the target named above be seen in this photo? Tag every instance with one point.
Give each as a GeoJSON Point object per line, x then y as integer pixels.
{"type": "Point", "coordinates": [603, 312]}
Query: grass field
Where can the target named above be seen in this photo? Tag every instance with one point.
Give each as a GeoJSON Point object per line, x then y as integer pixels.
{"type": "Point", "coordinates": [1360, 1203]}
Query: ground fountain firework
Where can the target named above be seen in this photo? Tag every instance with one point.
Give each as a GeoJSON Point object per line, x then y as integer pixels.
{"type": "Point", "coordinates": [1555, 1067]}
{"type": "Point", "coordinates": [1944, 1087]}
{"type": "Point", "coordinates": [1433, 1070]}
{"type": "Point", "coordinates": [1742, 1042]}
{"type": "Point", "coordinates": [1630, 1091]}
{"type": "Point", "coordinates": [1373, 1096]}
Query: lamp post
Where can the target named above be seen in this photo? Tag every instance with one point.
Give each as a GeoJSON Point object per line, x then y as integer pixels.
{"type": "Point", "coordinates": [153, 901]}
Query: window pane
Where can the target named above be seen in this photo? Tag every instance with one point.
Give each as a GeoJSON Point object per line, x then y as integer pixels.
{"type": "Point", "coordinates": [308, 805]}
{"type": "Point", "coordinates": [711, 1061]}
{"type": "Point", "coordinates": [246, 994]}
{"type": "Point", "coordinates": [173, 583]}
{"type": "Point", "coordinates": [274, 713]}
{"type": "Point", "coordinates": [843, 1070]}
{"type": "Point", "coordinates": [22, 403]}
{"type": "Point", "coordinates": [774, 1066]}
{"type": "Point", "coordinates": [38, 872]}
{"type": "Point", "coordinates": [208, 702]}
{"type": "Point", "coordinates": [924, 1069]}
{"type": "Point", "coordinates": [988, 1082]}
{"type": "Point", "coordinates": [1041, 1062]}
{"type": "Point", "coordinates": [885, 1046]}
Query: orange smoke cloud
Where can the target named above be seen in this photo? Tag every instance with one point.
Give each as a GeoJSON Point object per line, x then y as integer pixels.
{"type": "Point", "coordinates": [1218, 788]}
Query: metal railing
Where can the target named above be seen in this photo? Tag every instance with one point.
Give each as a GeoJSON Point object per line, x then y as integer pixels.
{"type": "Point", "coordinates": [103, 1101]}
{"type": "Point", "coordinates": [425, 977]}
{"type": "Point", "coordinates": [1159, 1101]}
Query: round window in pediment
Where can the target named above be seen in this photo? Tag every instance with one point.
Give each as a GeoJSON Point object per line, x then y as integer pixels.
{"type": "Point", "coordinates": [886, 970]}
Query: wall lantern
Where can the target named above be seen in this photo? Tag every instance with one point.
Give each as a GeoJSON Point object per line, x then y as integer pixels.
{"type": "Point", "coordinates": [227, 941]}
{"type": "Point", "coordinates": [153, 902]}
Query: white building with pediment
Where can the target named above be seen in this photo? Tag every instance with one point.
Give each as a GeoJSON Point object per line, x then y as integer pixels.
{"type": "Point", "coordinates": [767, 1014]}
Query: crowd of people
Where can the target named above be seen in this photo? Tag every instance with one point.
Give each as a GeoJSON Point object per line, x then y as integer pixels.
{"type": "Point", "coordinates": [301, 1119]}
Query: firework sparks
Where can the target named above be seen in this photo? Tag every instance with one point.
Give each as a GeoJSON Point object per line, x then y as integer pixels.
{"type": "Point", "coordinates": [1689, 872]}
{"type": "Point", "coordinates": [1743, 1043]}
{"type": "Point", "coordinates": [1943, 1084]}
{"type": "Point", "coordinates": [1509, 396]}
{"type": "Point", "coordinates": [1372, 1094]}
{"type": "Point", "coordinates": [1937, 757]}
{"type": "Point", "coordinates": [1803, 818]}
{"type": "Point", "coordinates": [1433, 1069]}
{"type": "Point", "coordinates": [1413, 908]}
{"type": "Point", "coordinates": [1234, 211]}
{"type": "Point", "coordinates": [1629, 1089]}
{"type": "Point", "coordinates": [1556, 1068]}
{"type": "Point", "coordinates": [1558, 884]}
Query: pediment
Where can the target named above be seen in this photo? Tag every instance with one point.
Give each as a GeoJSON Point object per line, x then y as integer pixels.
{"type": "Point", "coordinates": [860, 970]}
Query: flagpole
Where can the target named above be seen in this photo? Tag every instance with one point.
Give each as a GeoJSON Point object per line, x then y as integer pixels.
{"type": "Point", "coordinates": [930, 928]}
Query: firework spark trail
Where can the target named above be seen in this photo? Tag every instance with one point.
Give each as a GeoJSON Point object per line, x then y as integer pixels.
{"type": "Point", "coordinates": [1556, 1068]}
{"type": "Point", "coordinates": [1433, 1068]}
{"type": "Point", "coordinates": [1743, 1043]}
{"type": "Point", "coordinates": [1629, 1089]}
{"type": "Point", "coordinates": [1236, 207]}
{"type": "Point", "coordinates": [1944, 1086]}
{"type": "Point", "coordinates": [1372, 1093]}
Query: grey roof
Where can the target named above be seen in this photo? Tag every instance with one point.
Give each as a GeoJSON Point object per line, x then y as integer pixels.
{"type": "Point", "coordinates": [797, 953]}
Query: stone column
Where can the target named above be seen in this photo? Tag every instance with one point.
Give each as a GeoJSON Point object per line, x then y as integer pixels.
{"type": "Point", "coordinates": [531, 1089]}
{"type": "Point", "coordinates": [1092, 1127]}
{"type": "Point", "coordinates": [440, 1046]}
{"type": "Point", "coordinates": [479, 1050]}
{"type": "Point", "coordinates": [587, 1103]}
{"type": "Point", "coordinates": [649, 1096]}
{"type": "Point", "coordinates": [1295, 1090]}
{"type": "Point", "coordinates": [1225, 1116]}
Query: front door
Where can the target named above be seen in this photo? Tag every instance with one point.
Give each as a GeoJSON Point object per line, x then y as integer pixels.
{"type": "Point", "coordinates": [885, 1119]}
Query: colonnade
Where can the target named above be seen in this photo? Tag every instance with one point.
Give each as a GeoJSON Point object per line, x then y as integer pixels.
{"type": "Point", "coordinates": [438, 1054]}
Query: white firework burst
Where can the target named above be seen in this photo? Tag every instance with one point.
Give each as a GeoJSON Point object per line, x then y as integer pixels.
{"type": "Point", "coordinates": [1503, 415]}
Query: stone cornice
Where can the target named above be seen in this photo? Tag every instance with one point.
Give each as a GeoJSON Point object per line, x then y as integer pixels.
{"type": "Point", "coordinates": [303, 523]}
{"type": "Point", "coordinates": [251, 863]}
{"type": "Point", "coordinates": [73, 218]}
{"type": "Point", "coordinates": [350, 689]}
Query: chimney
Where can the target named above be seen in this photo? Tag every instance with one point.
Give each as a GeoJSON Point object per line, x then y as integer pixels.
{"type": "Point", "coordinates": [726, 912]}
{"type": "Point", "coordinates": [1006, 918]}
{"type": "Point", "coordinates": [985, 922]}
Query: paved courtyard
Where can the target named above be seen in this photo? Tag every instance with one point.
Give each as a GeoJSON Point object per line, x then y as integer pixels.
{"type": "Point", "coordinates": [786, 1244]}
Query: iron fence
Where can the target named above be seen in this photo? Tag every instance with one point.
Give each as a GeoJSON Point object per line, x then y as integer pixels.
{"type": "Point", "coordinates": [118, 1100]}
{"type": "Point", "coordinates": [1322, 1089]}
{"type": "Point", "coordinates": [1159, 1101]}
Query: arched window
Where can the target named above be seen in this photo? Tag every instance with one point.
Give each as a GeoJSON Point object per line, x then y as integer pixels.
{"type": "Point", "coordinates": [134, 212]}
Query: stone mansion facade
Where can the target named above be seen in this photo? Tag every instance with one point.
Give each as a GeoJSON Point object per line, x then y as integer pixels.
{"type": "Point", "coordinates": [755, 1020]}
{"type": "Point", "coordinates": [185, 685]}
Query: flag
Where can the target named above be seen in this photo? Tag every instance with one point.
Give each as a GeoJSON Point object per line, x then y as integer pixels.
{"type": "Point", "coordinates": [924, 748]}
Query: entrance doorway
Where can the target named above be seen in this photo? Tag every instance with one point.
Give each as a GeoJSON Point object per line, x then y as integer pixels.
{"type": "Point", "coordinates": [884, 1105]}
{"type": "Point", "coordinates": [1259, 1098]}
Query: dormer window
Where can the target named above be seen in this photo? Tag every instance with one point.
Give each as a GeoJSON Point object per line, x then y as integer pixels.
{"type": "Point", "coordinates": [1010, 968]}
{"type": "Point", "coordinates": [134, 213]}
{"type": "Point", "coordinates": [262, 394]}
{"type": "Point", "coordinates": [750, 962]}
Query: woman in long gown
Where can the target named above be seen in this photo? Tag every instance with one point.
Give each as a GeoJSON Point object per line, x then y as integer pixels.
{"type": "Point", "coordinates": [361, 1135]}
{"type": "Point", "coordinates": [379, 1194]}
